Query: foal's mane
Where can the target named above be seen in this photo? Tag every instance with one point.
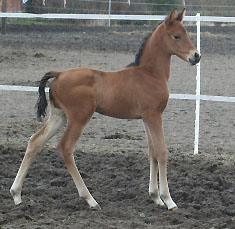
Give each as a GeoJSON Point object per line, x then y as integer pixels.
{"type": "Point", "coordinates": [141, 49]}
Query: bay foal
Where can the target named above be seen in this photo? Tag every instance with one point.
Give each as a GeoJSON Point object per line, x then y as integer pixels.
{"type": "Point", "coordinates": [138, 91]}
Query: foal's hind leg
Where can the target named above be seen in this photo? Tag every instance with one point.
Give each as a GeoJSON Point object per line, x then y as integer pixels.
{"type": "Point", "coordinates": [73, 131]}
{"type": "Point", "coordinates": [36, 142]}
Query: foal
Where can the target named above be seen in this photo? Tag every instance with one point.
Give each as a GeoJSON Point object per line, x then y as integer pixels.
{"type": "Point", "coordinates": [138, 91]}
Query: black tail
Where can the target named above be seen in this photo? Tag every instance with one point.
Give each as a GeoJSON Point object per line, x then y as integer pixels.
{"type": "Point", "coordinates": [42, 103]}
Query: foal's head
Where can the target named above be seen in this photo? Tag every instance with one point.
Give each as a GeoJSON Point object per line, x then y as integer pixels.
{"type": "Point", "coordinates": [176, 39]}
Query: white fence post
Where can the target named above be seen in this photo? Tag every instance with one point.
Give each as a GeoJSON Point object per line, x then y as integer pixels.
{"type": "Point", "coordinates": [110, 5]}
{"type": "Point", "coordinates": [198, 89]}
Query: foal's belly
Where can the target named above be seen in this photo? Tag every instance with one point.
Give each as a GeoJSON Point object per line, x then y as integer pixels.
{"type": "Point", "coordinates": [118, 113]}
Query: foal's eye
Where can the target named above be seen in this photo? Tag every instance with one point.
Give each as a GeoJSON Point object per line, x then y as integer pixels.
{"type": "Point", "coordinates": [177, 37]}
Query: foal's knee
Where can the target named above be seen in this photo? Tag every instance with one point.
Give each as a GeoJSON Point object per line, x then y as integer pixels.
{"type": "Point", "coordinates": [161, 157]}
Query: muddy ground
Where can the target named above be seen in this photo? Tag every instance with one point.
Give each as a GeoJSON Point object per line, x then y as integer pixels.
{"type": "Point", "coordinates": [112, 154]}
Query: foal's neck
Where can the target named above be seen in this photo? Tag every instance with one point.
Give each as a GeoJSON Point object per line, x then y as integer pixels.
{"type": "Point", "coordinates": [155, 57]}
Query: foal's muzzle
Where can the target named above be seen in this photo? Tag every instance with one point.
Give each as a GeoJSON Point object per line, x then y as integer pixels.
{"type": "Point", "coordinates": [195, 58]}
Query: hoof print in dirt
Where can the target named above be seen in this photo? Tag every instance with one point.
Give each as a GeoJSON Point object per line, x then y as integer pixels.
{"type": "Point", "coordinates": [38, 55]}
{"type": "Point", "coordinates": [118, 135]}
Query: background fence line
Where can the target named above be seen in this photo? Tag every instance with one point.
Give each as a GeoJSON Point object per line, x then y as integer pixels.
{"type": "Point", "coordinates": [115, 17]}
{"type": "Point", "coordinates": [198, 19]}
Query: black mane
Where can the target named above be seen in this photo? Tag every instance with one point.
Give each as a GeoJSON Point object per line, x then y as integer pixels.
{"type": "Point", "coordinates": [141, 49]}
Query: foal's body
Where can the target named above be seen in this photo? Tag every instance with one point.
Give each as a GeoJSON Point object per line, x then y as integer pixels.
{"type": "Point", "coordinates": [130, 98]}
{"type": "Point", "coordinates": [139, 91]}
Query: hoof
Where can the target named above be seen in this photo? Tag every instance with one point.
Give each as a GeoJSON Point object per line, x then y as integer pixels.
{"type": "Point", "coordinates": [159, 203]}
{"type": "Point", "coordinates": [92, 203]}
{"type": "Point", "coordinates": [171, 205]}
{"type": "Point", "coordinates": [17, 198]}
{"type": "Point", "coordinates": [156, 199]}
{"type": "Point", "coordinates": [173, 208]}
{"type": "Point", "coordinates": [96, 208]}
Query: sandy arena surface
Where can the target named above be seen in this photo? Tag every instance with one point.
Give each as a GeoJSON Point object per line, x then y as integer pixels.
{"type": "Point", "coordinates": [112, 154]}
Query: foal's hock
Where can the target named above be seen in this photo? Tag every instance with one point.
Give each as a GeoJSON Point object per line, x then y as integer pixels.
{"type": "Point", "coordinates": [138, 91]}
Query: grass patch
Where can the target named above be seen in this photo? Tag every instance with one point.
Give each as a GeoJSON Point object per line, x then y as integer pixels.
{"type": "Point", "coordinates": [30, 21]}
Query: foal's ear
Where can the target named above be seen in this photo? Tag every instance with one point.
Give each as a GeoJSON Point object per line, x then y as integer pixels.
{"type": "Point", "coordinates": [171, 17]}
{"type": "Point", "coordinates": [181, 15]}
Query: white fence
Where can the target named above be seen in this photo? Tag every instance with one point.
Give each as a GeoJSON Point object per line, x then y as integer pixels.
{"type": "Point", "coordinates": [198, 19]}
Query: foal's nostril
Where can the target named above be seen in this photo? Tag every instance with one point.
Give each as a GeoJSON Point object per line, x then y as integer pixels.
{"type": "Point", "coordinates": [197, 57]}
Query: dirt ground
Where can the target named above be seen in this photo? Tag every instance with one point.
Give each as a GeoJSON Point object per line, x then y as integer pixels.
{"type": "Point", "coordinates": [112, 154]}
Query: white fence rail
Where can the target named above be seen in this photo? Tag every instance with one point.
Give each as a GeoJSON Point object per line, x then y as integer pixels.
{"type": "Point", "coordinates": [198, 19]}
{"type": "Point", "coordinates": [114, 17]}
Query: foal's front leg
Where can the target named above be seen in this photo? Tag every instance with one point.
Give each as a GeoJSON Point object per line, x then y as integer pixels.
{"type": "Point", "coordinates": [153, 181]}
{"type": "Point", "coordinates": [153, 121]}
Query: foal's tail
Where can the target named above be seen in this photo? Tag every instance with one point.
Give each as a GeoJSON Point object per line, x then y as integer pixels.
{"type": "Point", "coordinates": [42, 103]}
